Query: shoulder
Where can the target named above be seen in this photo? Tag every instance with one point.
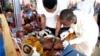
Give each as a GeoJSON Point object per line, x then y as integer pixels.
{"type": "Point", "coordinates": [78, 13]}
{"type": "Point", "coordinates": [82, 17]}
{"type": "Point", "coordinates": [40, 7]}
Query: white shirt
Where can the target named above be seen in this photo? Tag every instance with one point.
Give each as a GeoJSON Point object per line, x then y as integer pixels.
{"type": "Point", "coordinates": [10, 19]}
{"type": "Point", "coordinates": [86, 6]}
{"type": "Point", "coordinates": [87, 32]}
{"type": "Point", "coordinates": [51, 17]}
{"type": "Point", "coordinates": [97, 1]}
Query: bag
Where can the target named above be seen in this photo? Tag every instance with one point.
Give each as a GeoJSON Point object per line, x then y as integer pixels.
{"type": "Point", "coordinates": [69, 51]}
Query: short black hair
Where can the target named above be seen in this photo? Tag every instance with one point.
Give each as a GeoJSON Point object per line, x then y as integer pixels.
{"type": "Point", "coordinates": [66, 14]}
{"type": "Point", "coordinates": [49, 3]}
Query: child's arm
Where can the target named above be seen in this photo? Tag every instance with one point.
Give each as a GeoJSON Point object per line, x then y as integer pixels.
{"type": "Point", "coordinates": [58, 26]}
{"type": "Point", "coordinates": [43, 21]}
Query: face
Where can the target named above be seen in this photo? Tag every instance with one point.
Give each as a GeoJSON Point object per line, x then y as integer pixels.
{"type": "Point", "coordinates": [28, 6]}
{"type": "Point", "coordinates": [67, 23]}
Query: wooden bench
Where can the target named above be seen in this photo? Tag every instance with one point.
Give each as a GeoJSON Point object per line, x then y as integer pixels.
{"type": "Point", "coordinates": [10, 49]}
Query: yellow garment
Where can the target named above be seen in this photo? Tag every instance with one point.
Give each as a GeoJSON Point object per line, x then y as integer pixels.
{"type": "Point", "coordinates": [33, 41]}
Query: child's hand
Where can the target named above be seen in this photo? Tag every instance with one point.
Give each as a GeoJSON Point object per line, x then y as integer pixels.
{"type": "Point", "coordinates": [64, 35]}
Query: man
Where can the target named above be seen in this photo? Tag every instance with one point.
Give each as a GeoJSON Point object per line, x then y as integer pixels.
{"type": "Point", "coordinates": [49, 11]}
{"type": "Point", "coordinates": [85, 28]}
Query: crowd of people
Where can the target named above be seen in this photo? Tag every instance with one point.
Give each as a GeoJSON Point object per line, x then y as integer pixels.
{"type": "Point", "coordinates": [61, 17]}
{"type": "Point", "coordinates": [71, 18]}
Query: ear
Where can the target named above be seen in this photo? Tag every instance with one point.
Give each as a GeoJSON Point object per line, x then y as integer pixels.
{"type": "Point", "coordinates": [74, 20]}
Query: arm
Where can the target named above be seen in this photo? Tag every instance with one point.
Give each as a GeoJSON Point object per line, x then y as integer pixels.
{"type": "Point", "coordinates": [87, 37]}
{"type": "Point", "coordinates": [87, 33]}
{"type": "Point", "coordinates": [58, 25]}
{"type": "Point", "coordinates": [40, 10]}
{"type": "Point", "coordinates": [43, 21]}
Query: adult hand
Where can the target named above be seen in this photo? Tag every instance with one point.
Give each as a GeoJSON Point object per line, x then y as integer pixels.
{"type": "Point", "coordinates": [65, 43]}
